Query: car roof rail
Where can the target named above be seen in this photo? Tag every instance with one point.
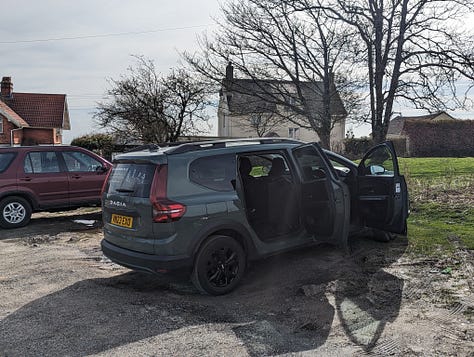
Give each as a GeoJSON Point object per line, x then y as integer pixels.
{"type": "Point", "coordinates": [150, 147]}
{"type": "Point", "coordinates": [218, 144]}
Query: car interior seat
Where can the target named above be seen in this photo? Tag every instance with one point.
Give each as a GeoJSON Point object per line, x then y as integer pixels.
{"type": "Point", "coordinates": [278, 168]}
{"type": "Point", "coordinates": [282, 203]}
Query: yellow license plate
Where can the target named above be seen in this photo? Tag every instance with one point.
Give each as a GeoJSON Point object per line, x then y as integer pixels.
{"type": "Point", "coordinates": [122, 221]}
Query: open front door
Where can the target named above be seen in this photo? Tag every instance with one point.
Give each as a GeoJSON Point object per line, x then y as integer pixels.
{"type": "Point", "coordinates": [324, 198]}
{"type": "Point", "coordinates": [382, 191]}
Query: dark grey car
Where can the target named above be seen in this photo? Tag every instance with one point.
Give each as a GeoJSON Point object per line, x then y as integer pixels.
{"type": "Point", "coordinates": [211, 207]}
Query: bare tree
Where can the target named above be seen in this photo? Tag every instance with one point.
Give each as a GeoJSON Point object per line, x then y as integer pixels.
{"type": "Point", "coordinates": [294, 60]}
{"type": "Point", "coordinates": [150, 107]}
{"type": "Point", "coordinates": [261, 123]}
{"type": "Point", "coordinates": [413, 50]}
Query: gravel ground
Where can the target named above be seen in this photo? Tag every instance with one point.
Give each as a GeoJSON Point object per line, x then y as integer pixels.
{"type": "Point", "coordinates": [60, 297]}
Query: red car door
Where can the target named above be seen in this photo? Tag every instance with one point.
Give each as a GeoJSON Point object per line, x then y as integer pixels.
{"type": "Point", "coordinates": [86, 173]}
{"type": "Point", "coordinates": [43, 176]}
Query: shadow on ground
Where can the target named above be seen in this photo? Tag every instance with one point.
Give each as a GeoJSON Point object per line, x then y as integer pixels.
{"type": "Point", "coordinates": [286, 304]}
{"type": "Point", "coordinates": [56, 223]}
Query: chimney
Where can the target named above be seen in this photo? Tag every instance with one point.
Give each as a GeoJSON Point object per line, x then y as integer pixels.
{"type": "Point", "coordinates": [6, 87]}
{"type": "Point", "coordinates": [229, 72]}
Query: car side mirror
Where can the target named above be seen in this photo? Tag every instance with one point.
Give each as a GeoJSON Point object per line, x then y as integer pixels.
{"type": "Point", "coordinates": [101, 169]}
{"type": "Point", "coordinates": [376, 169]}
{"type": "Point", "coordinates": [342, 173]}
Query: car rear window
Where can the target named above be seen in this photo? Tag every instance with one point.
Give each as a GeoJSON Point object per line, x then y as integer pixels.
{"type": "Point", "coordinates": [131, 179]}
{"type": "Point", "coordinates": [5, 160]}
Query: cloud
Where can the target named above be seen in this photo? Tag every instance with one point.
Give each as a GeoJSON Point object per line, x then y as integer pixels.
{"type": "Point", "coordinates": [80, 67]}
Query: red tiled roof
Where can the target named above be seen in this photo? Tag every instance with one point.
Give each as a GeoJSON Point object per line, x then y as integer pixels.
{"type": "Point", "coordinates": [6, 111]}
{"type": "Point", "coordinates": [40, 110]}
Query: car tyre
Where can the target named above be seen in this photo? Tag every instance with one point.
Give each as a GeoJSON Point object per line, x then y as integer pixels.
{"type": "Point", "coordinates": [219, 265]}
{"type": "Point", "coordinates": [15, 212]}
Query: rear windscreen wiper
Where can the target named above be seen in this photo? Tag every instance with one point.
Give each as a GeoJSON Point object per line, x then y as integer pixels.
{"type": "Point", "coordinates": [124, 190]}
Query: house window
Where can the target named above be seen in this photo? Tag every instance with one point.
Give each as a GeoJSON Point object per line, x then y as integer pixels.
{"type": "Point", "coordinates": [255, 120]}
{"type": "Point", "coordinates": [294, 133]}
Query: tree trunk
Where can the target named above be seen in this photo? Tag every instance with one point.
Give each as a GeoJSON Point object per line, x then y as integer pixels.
{"type": "Point", "coordinates": [325, 140]}
{"type": "Point", "coordinates": [378, 134]}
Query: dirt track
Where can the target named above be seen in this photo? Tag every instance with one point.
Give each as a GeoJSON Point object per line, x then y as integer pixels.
{"type": "Point", "coordinates": [59, 296]}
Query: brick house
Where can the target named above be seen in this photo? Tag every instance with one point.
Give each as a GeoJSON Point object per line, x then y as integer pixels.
{"type": "Point", "coordinates": [31, 118]}
{"type": "Point", "coordinates": [401, 131]}
{"type": "Point", "coordinates": [243, 104]}
{"type": "Point", "coordinates": [397, 125]}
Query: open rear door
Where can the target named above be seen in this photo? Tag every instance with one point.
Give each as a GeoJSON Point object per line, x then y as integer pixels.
{"type": "Point", "coordinates": [382, 191]}
{"type": "Point", "coordinates": [324, 198]}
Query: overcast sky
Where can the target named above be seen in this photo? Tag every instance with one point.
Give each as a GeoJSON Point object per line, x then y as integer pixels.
{"type": "Point", "coordinates": [36, 53]}
{"type": "Point", "coordinates": [73, 47]}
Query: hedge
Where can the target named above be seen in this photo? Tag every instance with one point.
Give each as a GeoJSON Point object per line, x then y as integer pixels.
{"type": "Point", "coordinates": [101, 144]}
{"type": "Point", "coordinates": [441, 138]}
{"type": "Point", "coordinates": [355, 148]}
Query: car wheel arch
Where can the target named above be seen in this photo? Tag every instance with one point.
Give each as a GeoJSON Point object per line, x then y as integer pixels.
{"type": "Point", "coordinates": [25, 195]}
{"type": "Point", "coordinates": [233, 230]}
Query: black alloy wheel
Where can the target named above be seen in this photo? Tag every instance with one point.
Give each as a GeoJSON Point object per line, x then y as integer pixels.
{"type": "Point", "coordinates": [219, 265]}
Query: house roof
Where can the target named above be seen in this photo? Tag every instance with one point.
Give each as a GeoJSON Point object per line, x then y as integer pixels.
{"type": "Point", "coordinates": [397, 124]}
{"type": "Point", "coordinates": [11, 116]}
{"type": "Point", "coordinates": [41, 110]}
{"type": "Point", "coordinates": [245, 96]}
{"type": "Point", "coordinates": [248, 96]}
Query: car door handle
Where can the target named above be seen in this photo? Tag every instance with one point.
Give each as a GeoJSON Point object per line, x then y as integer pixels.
{"type": "Point", "coordinates": [76, 176]}
{"type": "Point", "coordinates": [25, 179]}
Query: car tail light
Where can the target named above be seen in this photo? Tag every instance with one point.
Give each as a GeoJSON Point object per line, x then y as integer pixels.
{"type": "Point", "coordinates": [164, 209]}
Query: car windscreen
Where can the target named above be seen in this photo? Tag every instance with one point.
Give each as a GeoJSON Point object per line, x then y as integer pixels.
{"type": "Point", "coordinates": [5, 159]}
{"type": "Point", "coordinates": [131, 179]}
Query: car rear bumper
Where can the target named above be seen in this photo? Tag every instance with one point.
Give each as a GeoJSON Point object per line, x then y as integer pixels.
{"type": "Point", "coordinates": [145, 262]}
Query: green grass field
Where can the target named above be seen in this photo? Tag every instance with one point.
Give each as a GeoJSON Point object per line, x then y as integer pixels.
{"type": "Point", "coordinates": [442, 203]}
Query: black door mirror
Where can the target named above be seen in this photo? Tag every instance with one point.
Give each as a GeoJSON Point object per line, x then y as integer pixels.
{"type": "Point", "coordinates": [101, 169]}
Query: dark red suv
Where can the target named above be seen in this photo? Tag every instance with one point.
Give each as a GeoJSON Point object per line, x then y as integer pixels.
{"type": "Point", "coordinates": [47, 178]}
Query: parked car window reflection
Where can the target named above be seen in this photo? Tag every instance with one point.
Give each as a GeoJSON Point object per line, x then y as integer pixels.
{"type": "Point", "coordinates": [132, 180]}
{"type": "Point", "coordinates": [78, 161]}
{"type": "Point", "coordinates": [214, 172]}
{"type": "Point", "coordinates": [41, 162]}
{"type": "Point", "coordinates": [5, 160]}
